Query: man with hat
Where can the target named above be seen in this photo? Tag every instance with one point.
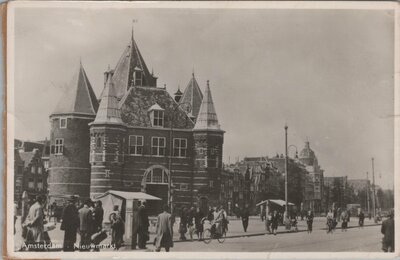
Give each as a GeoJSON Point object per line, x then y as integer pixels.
{"type": "Point", "coordinates": [70, 224]}
{"type": "Point", "coordinates": [85, 225]}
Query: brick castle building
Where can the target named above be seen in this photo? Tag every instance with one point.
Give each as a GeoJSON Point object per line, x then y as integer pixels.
{"type": "Point", "coordinates": [136, 137]}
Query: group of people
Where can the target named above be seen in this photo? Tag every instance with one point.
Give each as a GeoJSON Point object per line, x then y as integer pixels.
{"type": "Point", "coordinates": [86, 219]}
{"type": "Point", "coordinates": [192, 221]}
{"type": "Point", "coordinates": [333, 217]}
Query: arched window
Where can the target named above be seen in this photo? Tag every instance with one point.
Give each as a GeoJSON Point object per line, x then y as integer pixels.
{"type": "Point", "coordinates": [98, 142]}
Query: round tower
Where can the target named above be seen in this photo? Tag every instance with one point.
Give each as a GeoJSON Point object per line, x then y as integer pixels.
{"type": "Point", "coordinates": [69, 172]}
{"type": "Point", "coordinates": [107, 134]}
{"type": "Point", "coordinates": [208, 139]}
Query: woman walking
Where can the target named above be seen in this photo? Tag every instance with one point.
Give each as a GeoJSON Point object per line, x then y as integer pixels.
{"type": "Point", "coordinates": [245, 219]}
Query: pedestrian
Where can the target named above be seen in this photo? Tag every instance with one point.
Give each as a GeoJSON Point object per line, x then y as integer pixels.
{"type": "Point", "coordinates": [274, 222]}
{"type": "Point", "coordinates": [15, 215]}
{"type": "Point", "coordinates": [183, 223]}
{"type": "Point", "coordinates": [143, 228]}
{"type": "Point", "coordinates": [268, 222]}
{"type": "Point", "coordinates": [345, 219]}
{"type": "Point", "coordinates": [245, 218]}
{"type": "Point", "coordinates": [387, 230]}
{"type": "Point", "coordinates": [164, 230]}
{"type": "Point", "coordinates": [190, 222]}
{"type": "Point", "coordinates": [117, 230]}
{"type": "Point", "coordinates": [309, 219]}
{"type": "Point", "coordinates": [70, 224]}
{"type": "Point", "coordinates": [210, 216]}
{"type": "Point", "coordinates": [98, 215]}
{"type": "Point", "coordinates": [199, 223]}
{"type": "Point", "coordinates": [330, 219]}
{"type": "Point", "coordinates": [85, 225]}
{"type": "Point", "coordinates": [34, 223]}
{"type": "Point", "coordinates": [361, 219]}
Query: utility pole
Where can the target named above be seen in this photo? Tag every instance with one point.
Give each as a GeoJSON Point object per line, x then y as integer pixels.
{"type": "Point", "coordinates": [373, 189]}
{"type": "Point", "coordinates": [368, 193]}
{"type": "Point", "coordinates": [286, 171]}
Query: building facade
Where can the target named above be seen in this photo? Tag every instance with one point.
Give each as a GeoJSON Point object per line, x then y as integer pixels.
{"type": "Point", "coordinates": [136, 137]}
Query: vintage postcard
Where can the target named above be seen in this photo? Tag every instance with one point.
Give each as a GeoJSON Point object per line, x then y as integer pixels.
{"type": "Point", "coordinates": [234, 129]}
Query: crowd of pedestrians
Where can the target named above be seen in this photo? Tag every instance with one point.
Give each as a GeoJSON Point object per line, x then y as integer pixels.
{"type": "Point", "coordinates": [86, 219]}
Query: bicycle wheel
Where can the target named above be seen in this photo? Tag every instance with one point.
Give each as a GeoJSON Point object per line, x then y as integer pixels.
{"type": "Point", "coordinates": [221, 238]}
{"type": "Point", "coordinates": [207, 236]}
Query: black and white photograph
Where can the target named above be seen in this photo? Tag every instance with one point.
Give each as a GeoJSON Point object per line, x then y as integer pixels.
{"type": "Point", "coordinates": [235, 129]}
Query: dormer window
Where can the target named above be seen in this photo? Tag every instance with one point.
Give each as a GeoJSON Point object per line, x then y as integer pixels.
{"type": "Point", "coordinates": [157, 116]}
{"type": "Point", "coordinates": [138, 77]}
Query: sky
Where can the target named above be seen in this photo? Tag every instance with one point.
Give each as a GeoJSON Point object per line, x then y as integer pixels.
{"type": "Point", "coordinates": [327, 74]}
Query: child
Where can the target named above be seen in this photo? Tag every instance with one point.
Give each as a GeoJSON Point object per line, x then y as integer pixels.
{"type": "Point", "coordinates": [191, 231]}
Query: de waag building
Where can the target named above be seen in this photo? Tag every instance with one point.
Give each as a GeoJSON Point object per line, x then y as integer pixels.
{"type": "Point", "coordinates": [136, 137]}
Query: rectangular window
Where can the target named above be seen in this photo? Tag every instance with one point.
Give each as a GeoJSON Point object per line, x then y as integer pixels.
{"type": "Point", "coordinates": [33, 169]}
{"type": "Point", "coordinates": [211, 184]}
{"type": "Point", "coordinates": [136, 144]}
{"type": "Point", "coordinates": [158, 118]}
{"type": "Point", "coordinates": [31, 184]}
{"type": "Point", "coordinates": [40, 184]}
{"type": "Point", "coordinates": [63, 123]}
{"type": "Point", "coordinates": [180, 147]}
{"type": "Point", "coordinates": [158, 146]}
{"type": "Point", "coordinates": [46, 164]}
{"type": "Point", "coordinates": [138, 78]}
{"type": "Point", "coordinates": [39, 170]}
{"type": "Point", "coordinates": [59, 147]}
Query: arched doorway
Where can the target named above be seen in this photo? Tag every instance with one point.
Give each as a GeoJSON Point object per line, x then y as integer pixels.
{"type": "Point", "coordinates": [155, 182]}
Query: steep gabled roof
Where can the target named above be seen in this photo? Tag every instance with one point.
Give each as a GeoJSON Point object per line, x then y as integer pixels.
{"type": "Point", "coordinates": [136, 104]}
{"type": "Point", "coordinates": [207, 118]}
{"type": "Point", "coordinates": [109, 112]}
{"type": "Point", "coordinates": [193, 96]}
{"type": "Point", "coordinates": [79, 97]}
{"type": "Point", "coordinates": [131, 61]}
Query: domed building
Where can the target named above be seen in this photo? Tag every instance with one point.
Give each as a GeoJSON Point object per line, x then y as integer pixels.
{"type": "Point", "coordinates": [309, 159]}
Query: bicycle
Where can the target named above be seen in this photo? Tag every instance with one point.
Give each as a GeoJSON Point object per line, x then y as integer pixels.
{"type": "Point", "coordinates": [212, 233]}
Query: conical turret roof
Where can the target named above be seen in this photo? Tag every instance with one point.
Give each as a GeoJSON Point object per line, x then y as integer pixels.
{"type": "Point", "coordinates": [130, 62]}
{"type": "Point", "coordinates": [109, 112]}
{"type": "Point", "coordinates": [79, 97]}
{"type": "Point", "coordinates": [207, 118]}
{"type": "Point", "coordinates": [193, 96]}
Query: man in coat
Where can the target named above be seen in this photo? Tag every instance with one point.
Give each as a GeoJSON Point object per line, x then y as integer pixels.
{"type": "Point", "coordinates": [143, 229]}
{"type": "Point", "coordinates": [388, 233]}
{"type": "Point", "coordinates": [85, 225]}
{"type": "Point", "coordinates": [245, 218]}
{"type": "Point", "coordinates": [34, 222]}
{"type": "Point", "coordinates": [164, 230]}
{"type": "Point", "coordinates": [98, 214]}
{"type": "Point", "coordinates": [70, 224]}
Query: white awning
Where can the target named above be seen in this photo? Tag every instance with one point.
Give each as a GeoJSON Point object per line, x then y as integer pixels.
{"type": "Point", "coordinates": [278, 202]}
{"type": "Point", "coordinates": [129, 195]}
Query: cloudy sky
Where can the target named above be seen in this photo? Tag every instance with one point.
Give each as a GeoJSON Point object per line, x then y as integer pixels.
{"type": "Point", "coordinates": [328, 74]}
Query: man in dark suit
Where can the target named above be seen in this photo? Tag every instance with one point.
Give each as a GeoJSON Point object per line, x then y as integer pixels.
{"type": "Point", "coordinates": [70, 224]}
{"type": "Point", "coordinates": [86, 225]}
{"type": "Point", "coordinates": [388, 233]}
{"type": "Point", "coordinates": [98, 214]}
{"type": "Point", "coordinates": [143, 229]}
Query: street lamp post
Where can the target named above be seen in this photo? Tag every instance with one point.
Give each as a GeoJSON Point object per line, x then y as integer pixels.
{"type": "Point", "coordinates": [286, 171]}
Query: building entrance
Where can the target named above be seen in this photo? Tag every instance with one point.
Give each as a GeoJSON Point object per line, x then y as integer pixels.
{"type": "Point", "coordinates": [155, 182]}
